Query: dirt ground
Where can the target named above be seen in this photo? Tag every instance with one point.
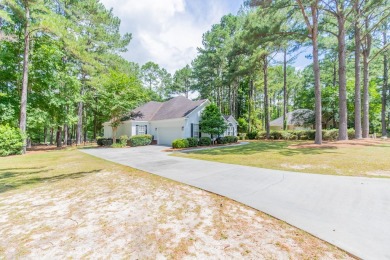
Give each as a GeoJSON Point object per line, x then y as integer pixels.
{"type": "Point", "coordinates": [113, 214]}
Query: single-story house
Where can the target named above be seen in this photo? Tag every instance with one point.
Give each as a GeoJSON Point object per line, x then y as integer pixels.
{"type": "Point", "coordinates": [166, 121]}
{"type": "Point", "coordinates": [295, 120]}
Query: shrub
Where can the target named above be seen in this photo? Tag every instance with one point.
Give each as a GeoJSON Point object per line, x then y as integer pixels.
{"type": "Point", "coordinates": [140, 140]}
{"type": "Point", "coordinates": [192, 142]}
{"type": "Point", "coordinates": [11, 140]}
{"type": "Point", "coordinates": [123, 140]}
{"type": "Point", "coordinates": [351, 133]}
{"type": "Point", "coordinates": [204, 141]}
{"type": "Point", "coordinates": [276, 135]}
{"type": "Point", "coordinates": [104, 141]}
{"type": "Point", "coordinates": [330, 135]}
{"type": "Point", "coordinates": [261, 135]}
{"type": "Point", "coordinates": [180, 143]}
{"type": "Point", "coordinates": [221, 140]}
{"type": "Point", "coordinates": [231, 139]}
{"type": "Point", "coordinates": [251, 135]}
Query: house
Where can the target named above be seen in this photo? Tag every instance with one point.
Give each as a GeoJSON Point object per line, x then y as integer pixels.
{"type": "Point", "coordinates": [296, 120]}
{"type": "Point", "coordinates": [166, 121]}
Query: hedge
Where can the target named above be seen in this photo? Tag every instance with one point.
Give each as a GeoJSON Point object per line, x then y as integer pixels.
{"type": "Point", "coordinates": [180, 143]}
{"type": "Point", "coordinates": [11, 140]}
{"type": "Point", "coordinates": [192, 142]}
{"type": "Point", "coordinates": [327, 135]}
{"type": "Point", "coordinates": [104, 141]}
{"type": "Point", "coordinates": [227, 139]}
{"type": "Point", "coordinates": [140, 140]}
{"type": "Point", "coordinates": [204, 141]}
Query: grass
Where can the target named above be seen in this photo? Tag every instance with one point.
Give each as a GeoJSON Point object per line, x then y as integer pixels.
{"type": "Point", "coordinates": [23, 172]}
{"type": "Point", "coordinates": [349, 160]}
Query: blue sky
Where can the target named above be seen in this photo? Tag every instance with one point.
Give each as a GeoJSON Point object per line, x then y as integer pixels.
{"type": "Point", "coordinates": [168, 32]}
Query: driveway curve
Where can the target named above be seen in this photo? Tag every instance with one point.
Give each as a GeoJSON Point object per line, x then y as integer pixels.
{"type": "Point", "coordinates": [352, 213]}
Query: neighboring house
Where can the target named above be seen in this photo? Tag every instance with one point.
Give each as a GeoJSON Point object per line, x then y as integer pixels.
{"type": "Point", "coordinates": [166, 121]}
{"type": "Point", "coordinates": [295, 121]}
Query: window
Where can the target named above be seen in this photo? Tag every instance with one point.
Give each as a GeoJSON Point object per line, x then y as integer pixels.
{"type": "Point", "coordinates": [195, 130]}
{"type": "Point", "coordinates": [141, 130]}
{"type": "Point", "coordinates": [230, 130]}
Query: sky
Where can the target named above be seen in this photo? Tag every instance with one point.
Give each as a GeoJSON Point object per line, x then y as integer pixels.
{"type": "Point", "coordinates": [168, 32]}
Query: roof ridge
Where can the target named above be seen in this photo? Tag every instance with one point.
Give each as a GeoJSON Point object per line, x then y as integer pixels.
{"type": "Point", "coordinates": [161, 104]}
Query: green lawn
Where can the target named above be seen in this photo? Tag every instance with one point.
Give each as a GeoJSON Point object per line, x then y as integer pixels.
{"type": "Point", "coordinates": [360, 159]}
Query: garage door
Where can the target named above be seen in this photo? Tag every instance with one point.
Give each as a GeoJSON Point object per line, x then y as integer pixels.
{"type": "Point", "coordinates": [167, 134]}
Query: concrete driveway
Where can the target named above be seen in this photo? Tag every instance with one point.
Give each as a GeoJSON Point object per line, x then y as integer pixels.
{"type": "Point", "coordinates": [352, 213]}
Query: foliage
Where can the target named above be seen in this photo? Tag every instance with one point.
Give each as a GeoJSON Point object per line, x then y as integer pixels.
{"type": "Point", "coordinates": [211, 121]}
{"type": "Point", "coordinates": [192, 142]}
{"type": "Point", "coordinates": [251, 135]}
{"type": "Point", "coordinates": [140, 140]}
{"type": "Point", "coordinates": [328, 135]}
{"type": "Point", "coordinates": [11, 140]}
{"type": "Point", "coordinates": [180, 143]}
{"type": "Point", "coordinates": [104, 141]}
{"type": "Point", "coordinates": [227, 139]}
{"type": "Point", "coordinates": [204, 141]}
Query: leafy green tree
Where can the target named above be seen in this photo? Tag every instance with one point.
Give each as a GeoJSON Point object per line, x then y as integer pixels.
{"type": "Point", "coordinates": [212, 121]}
{"type": "Point", "coordinates": [120, 93]}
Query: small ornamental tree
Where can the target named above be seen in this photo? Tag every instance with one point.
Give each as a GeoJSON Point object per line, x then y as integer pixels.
{"type": "Point", "coordinates": [212, 122]}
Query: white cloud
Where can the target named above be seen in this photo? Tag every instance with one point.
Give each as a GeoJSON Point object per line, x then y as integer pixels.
{"type": "Point", "coordinates": [167, 32]}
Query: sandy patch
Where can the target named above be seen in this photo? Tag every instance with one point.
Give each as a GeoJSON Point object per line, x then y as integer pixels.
{"type": "Point", "coordinates": [121, 215]}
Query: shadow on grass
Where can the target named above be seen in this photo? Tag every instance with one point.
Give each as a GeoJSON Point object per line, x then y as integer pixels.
{"type": "Point", "coordinates": [280, 147]}
{"type": "Point", "coordinates": [14, 180]}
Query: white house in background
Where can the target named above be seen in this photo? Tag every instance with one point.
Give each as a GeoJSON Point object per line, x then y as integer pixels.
{"type": "Point", "coordinates": [166, 121]}
{"type": "Point", "coordinates": [295, 121]}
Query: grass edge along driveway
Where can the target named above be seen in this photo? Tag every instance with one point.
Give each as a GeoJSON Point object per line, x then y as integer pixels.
{"type": "Point", "coordinates": [354, 158]}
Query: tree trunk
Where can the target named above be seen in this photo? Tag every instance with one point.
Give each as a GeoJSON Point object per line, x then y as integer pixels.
{"type": "Point", "coordinates": [317, 83]}
{"type": "Point", "coordinates": [358, 101]}
{"type": "Point", "coordinates": [114, 135]}
{"type": "Point", "coordinates": [79, 130]}
{"type": "Point", "coordinates": [51, 135]}
{"type": "Point", "coordinates": [285, 89]}
{"type": "Point", "coordinates": [23, 101]}
{"type": "Point", "coordinates": [266, 107]}
{"type": "Point", "coordinates": [45, 135]}
{"type": "Point", "coordinates": [366, 104]}
{"type": "Point", "coordinates": [65, 134]}
{"type": "Point", "coordinates": [385, 86]}
{"type": "Point", "coordinates": [58, 137]}
{"type": "Point", "coordinates": [343, 127]}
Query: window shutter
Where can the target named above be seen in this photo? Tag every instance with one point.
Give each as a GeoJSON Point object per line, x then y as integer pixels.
{"type": "Point", "coordinates": [136, 129]}
{"type": "Point", "coordinates": [192, 129]}
{"type": "Point", "coordinates": [146, 129]}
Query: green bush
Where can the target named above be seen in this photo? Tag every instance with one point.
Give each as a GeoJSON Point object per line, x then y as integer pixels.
{"type": "Point", "coordinates": [276, 135]}
{"type": "Point", "coordinates": [231, 139]}
{"type": "Point", "coordinates": [180, 143]}
{"type": "Point", "coordinates": [221, 140]}
{"type": "Point", "coordinates": [204, 141]}
{"type": "Point", "coordinates": [261, 135]}
{"type": "Point", "coordinates": [251, 135]}
{"type": "Point", "coordinates": [123, 140]}
{"type": "Point", "coordinates": [11, 140]}
{"type": "Point", "coordinates": [192, 142]}
{"type": "Point", "coordinates": [104, 141]}
{"type": "Point", "coordinates": [330, 135]}
{"type": "Point", "coordinates": [140, 140]}
{"type": "Point", "coordinates": [351, 133]}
